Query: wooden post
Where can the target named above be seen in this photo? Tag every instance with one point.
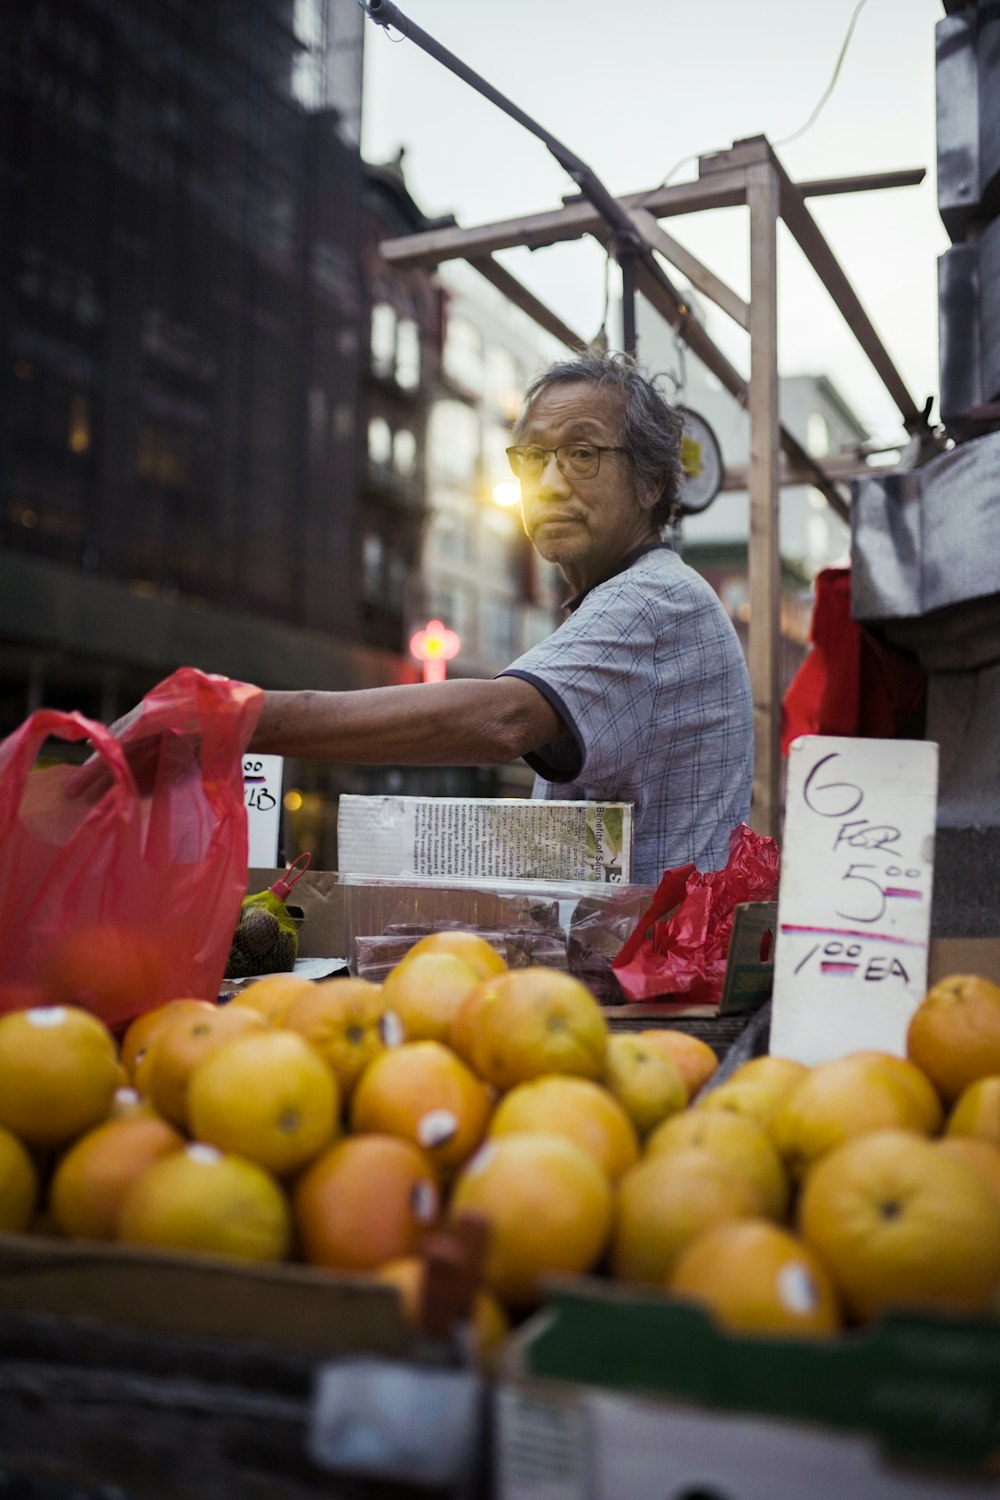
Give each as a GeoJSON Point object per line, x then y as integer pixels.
{"type": "Point", "coordinates": [764, 557]}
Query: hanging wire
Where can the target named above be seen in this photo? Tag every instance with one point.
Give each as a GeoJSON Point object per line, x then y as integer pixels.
{"type": "Point", "coordinates": [833, 81]}
{"type": "Point", "coordinates": [796, 134]}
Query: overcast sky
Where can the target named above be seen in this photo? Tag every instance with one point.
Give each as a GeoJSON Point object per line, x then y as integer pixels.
{"type": "Point", "coordinates": [634, 86]}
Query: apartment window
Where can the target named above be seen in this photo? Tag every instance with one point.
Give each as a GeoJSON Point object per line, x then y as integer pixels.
{"type": "Point", "coordinates": [404, 452]}
{"type": "Point", "coordinates": [379, 442]}
{"type": "Point", "coordinates": [463, 353]}
{"type": "Point", "coordinates": [499, 630]}
{"type": "Point", "coordinates": [372, 559]}
{"type": "Point", "coordinates": [383, 338]}
{"type": "Point", "coordinates": [817, 434]}
{"type": "Point", "coordinates": [453, 440]}
{"type": "Point", "coordinates": [408, 354]}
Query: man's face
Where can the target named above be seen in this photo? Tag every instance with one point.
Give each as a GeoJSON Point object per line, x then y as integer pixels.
{"type": "Point", "coordinates": [586, 526]}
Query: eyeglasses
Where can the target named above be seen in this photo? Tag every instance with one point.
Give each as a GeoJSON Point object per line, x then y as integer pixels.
{"type": "Point", "coordinates": [574, 460]}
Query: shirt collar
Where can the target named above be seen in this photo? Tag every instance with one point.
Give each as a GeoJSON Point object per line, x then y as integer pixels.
{"type": "Point", "coordinates": [627, 562]}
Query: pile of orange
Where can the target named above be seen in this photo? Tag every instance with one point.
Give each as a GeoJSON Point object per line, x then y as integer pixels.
{"type": "Point", "coordinates": [345, 1122]}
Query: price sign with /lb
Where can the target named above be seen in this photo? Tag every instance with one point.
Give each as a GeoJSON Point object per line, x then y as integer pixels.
{"type": "Point", "coordinates": [854, 903]}
{"type": "Point", "coordinates": [262, 799]}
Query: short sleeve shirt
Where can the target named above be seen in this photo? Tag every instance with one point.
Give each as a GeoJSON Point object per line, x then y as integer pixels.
{"type": "Point", "coordinates": [650, 680]}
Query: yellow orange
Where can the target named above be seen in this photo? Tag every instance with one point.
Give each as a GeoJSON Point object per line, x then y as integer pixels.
{"type": "Point", "coordinates": [915, 1083]}
{"type": "Point", "coordinates": [665, 1201]}
{"type": "Point", "coordinates": [696, 1060]}
{"type": "Point", "coordinates": [273, 995]}
{"type": "Point", "coordinates": [756, 1278]}
{"type": "Point", "coordinates": [981, 1155]}
{"type": "Point", "coordinates": [472, 949]}
{"type": "Point", "coordinates": [954, 1034]}
{"type": "Point", "coordinates": [578, 1108]}
{"type": "Point", "coordinates": [898, 1222]}
{"type": "Point", "coordinates": [533, 1021]}
{"type": "Point", "coordinates": [836, 1100]}
{"type": "Point", "coordinates": [424, 1093]}
{"type": "Point", "coordinates": [757, 1098]}
{"type": "Point", "coordinates": [266, 1095]}
{"type": "Point", "coordinates": [548, 1205]}
{"type": "Point", "coordinates": [140, 1032]}
{"type": "Point", "coordinates": [364, 1201]}
{"type": "Point", "coordinates": [342, 1019]}
{"type": "Point", "coordinates": [735, 1139]}
{"type": "Point", "coordinates": [203, 1200]}
{"type": "Point", "coordinates": [18, 1184]}
{"type": "Point", "coordinates": [92, 1179]}
{"type": "Point", "coordinates": [489, 1323]}
{"type": "Point", "coordinates": [977, 1110]}
{"type": "Point", "coordinates": [645, 1081]}
{"type": "Point", "coordinates": [777, 1073]}
{"type": "Point", "coordinates": [58, 1073]}
{"type": "Point", "coordinates": [181, 1043]}
{"type": "Point", "coordinates": [425, 992]}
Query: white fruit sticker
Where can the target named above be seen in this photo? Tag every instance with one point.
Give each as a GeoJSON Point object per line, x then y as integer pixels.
{"type": "Point", "coordinates": [391, 1028]}
{"type": "Point", "coordinates": [424, 1202]}
{"type": "Point", "coordinates": [47, 1015]}
{"type": "Point", "coordinates": [481, 1160]}
{"type": "Point", "coordinates": [797, 1288]}
{"type": "Point", "coordinates": [207, 1156]}
{"type": "Point", "coordinates": [436, 1128]}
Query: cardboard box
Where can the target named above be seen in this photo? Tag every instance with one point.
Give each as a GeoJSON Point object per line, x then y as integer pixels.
{"type": "Point", "coordinates": [920, 1389]}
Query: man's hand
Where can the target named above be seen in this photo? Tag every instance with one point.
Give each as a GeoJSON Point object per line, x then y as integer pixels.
{"type": "Point", "coordinates": [93, 778]}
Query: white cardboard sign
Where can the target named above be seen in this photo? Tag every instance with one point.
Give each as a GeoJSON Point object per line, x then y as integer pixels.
{"type": "Point", "coordinates": [262, 799]}
{"type": "Point", "coordinates": [854, 902]}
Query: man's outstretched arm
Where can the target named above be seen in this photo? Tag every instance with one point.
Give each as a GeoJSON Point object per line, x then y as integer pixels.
{"type": "Point", "coordinates": [461, 722]}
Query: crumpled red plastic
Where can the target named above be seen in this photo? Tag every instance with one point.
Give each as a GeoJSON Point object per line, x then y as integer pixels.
{"type": "Point", "coordinates": [686, 954]}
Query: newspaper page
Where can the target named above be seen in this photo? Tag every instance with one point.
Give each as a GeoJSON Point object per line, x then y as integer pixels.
{"type": "Point", "coordinates": [473, 838]}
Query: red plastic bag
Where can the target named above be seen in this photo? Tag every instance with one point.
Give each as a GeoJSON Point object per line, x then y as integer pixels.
{"type": "Point", "coordinates": [143, 884]}
{"type": "Point", "coordinates": [686, 955]}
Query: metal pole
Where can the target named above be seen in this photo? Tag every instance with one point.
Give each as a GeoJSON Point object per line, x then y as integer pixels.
{"type": "Point", "coordinates": [764, 568]}
{"type": "Point", "coordinates": [627, 244]}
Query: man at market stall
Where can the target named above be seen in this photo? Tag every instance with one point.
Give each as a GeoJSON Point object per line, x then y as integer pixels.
{"type": "Point", "coordinates": [641, 695]}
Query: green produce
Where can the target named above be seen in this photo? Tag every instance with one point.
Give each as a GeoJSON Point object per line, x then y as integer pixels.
{"type": "Point", "coordinates": [266, 940]}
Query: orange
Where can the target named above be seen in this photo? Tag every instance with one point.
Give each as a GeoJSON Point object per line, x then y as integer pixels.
{"type": "Point", "coordinates": [465, 1021]}
{"type": "Point", "coordinates": [646, 1082]}
{"type": "Point", "coordinates": [696, 1060]}
{"type": "Point", "coordinates": [342, 1019]}
{"type": "Point", "coordinates": [577, 1108]}
{"type": "Point", "coordinates": [836, 1100]}
{"type": "Point", "coordinates": [549, 1208]}
{"type": "Point", "coordinates": [468, 946]}
{"type": "Point", "coordinates": [777, 1073]}
{"type": "Point", "coordinates": [898, 1222]}
{"type": "Point", "coordinates": [954, 1033]}
{"type": "Point", "coordinates": [426, 990]}
{"type": "Point", "coordinates": [734, 1138]}
{"type": "Point", "coordinates": [915, 1083]}
{"type": "Point", "coordinates": [365, 1201]}
{"type": "Point", "coordinates": [267, 1095]}
{"type": "Point", "coordinates": [982, 1156]}
{"type": "Point", "coordinates": [489, 1324]}
{"type": "Point", "coordinates": [93, 1177]}
{"type": "Point", "coordinates": [142, 1030]}
{"type": "Point", "coordinates": [532, 1021]}
{"type": "Point", "coordinates": [757, 1098]}
{"type": "Point", "coordinates": [58, 1073]}
{"type": "Point", "coordinates": [181, 1042]}
{"type": "Point", "coordinates": [424, 1093]}
{"type": "Point", "coordinates": [18, 1185]}
{"type": "Point", "coordinates": [199, 1199]}
{"type": "Point", "coordinates": [108, 968]}
{"type": "Point", "coordinates": [665, 1201]}
{"type": "Point", "coordinates": [273, 994]}
{"type": "Point", "coordinates": [756, 1278]}
{"type": "Point", "coordinates": [977, 1111]}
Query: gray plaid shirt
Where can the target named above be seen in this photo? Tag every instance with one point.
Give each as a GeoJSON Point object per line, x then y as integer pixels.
{"type": "Point", "coordinates": [648, 675]}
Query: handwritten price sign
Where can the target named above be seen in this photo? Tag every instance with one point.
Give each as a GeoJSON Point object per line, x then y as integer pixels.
{"type": "Point", "coordinates": [854, 903]}
{"type": "Point", "coordinates": [262, 799]}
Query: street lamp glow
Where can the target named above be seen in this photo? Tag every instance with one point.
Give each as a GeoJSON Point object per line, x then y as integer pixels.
{"type": "Point", "coordinates": [507, 493]}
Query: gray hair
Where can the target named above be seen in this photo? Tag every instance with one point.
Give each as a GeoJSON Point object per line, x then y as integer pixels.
{"type": "Point", "coordinates": [651, 427]}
